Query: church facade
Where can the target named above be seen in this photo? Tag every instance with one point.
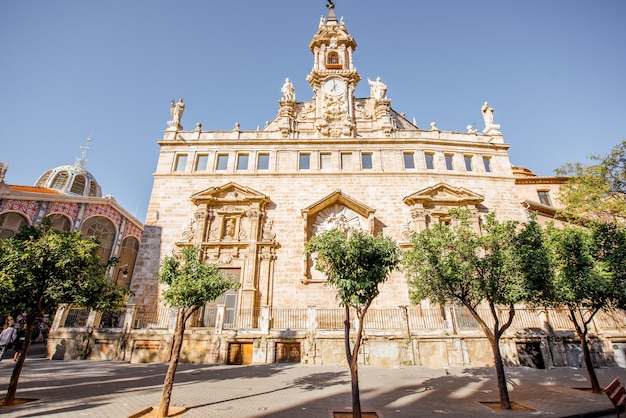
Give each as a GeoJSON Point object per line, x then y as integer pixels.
{"type": "Point", "coordinates": [252, 199]}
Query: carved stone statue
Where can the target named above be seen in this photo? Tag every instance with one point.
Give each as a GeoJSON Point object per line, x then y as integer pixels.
{"type": "Point", "coordinates": [487, 114]}
{"type": "Point", "coordinates": [3, 171]}
{"type": "Point", "coordinates": [177, 109]}
{"type": "Point", "coordinates": [378, 89]}
{"type": "Point", "coordinates": [488, 117]}
{"type": "Point", "coordinates": [288, 91]}
{"type": "Point", "coordinates": [229, 229]}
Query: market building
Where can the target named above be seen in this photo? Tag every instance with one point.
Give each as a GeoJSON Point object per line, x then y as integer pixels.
{"type": "Point", "coordinates": [71, 198]}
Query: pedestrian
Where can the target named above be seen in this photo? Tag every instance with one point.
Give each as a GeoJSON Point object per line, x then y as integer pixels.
{"type": "Point", "coordinates": [20, 338]}
{"type": "Point", "coordinates": [7, 338]}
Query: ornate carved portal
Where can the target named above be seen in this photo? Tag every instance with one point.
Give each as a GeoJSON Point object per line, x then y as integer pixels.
{"type": "Point", "coordinates": [433, 204]}
{"type": "Point", "coordinates": [336, 211]}
{"type": "Point", "coordinates": [231, 227]}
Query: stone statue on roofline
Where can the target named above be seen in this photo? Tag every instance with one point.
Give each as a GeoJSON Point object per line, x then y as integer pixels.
{"type": "Point", "coordinates": [378, 89]}
{"type": "Point", "coordinates": [288, 91]}
{"type": "Point", "coordinates": [176, 110]}
{"type": "Point", "coordinates": [490, 127]}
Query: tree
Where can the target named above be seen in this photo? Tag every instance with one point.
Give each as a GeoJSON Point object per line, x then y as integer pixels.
{"type": "Point", "coordinates": [191, 284]}
{"type": "Point", "coordinates": [596, 191]}
{"type": "Point", "coordinates": [41, 268]}
{"type": "Point", "coordinates": [453, 263]}
{"type": "Point", "coordinates": [589, 276]}
{"type": "Point", "coordinates": [355, 264]}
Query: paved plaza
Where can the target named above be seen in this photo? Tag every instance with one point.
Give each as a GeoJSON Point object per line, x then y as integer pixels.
{"type": "Point", "coordinates": [99, 389]}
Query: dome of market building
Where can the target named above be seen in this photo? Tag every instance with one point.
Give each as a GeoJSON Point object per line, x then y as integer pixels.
{"type": "Point", "coordinates": [70, 180]}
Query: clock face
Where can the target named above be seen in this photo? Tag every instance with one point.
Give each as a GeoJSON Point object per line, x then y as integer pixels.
{"type": "Point", "coordinates": [335, 87]}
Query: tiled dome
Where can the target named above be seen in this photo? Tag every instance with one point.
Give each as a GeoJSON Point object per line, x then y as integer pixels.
{"type": "Point", "coordinates": [70, 180]}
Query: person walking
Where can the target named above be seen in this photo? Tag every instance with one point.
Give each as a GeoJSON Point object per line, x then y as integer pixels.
{"type": "Point", "coordinates": [20, 338]}
{"type": "Point", "coordinates": [7, 338]}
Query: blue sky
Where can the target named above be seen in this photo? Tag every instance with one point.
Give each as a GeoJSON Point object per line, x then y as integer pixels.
{"type": "Point", "coordinates": [554, 71]}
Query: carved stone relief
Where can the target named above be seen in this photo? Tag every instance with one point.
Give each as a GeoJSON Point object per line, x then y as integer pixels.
{"type": "Point", "coordinates": [335, 121]}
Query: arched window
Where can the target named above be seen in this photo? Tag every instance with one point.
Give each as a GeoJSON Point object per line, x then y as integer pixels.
{"type": "Point", "coordinates": [93, 188]}
{"type": "Point", "coordinates": [104, 230]}
{"type": "Point", "coordinates": [10, 224]}
{"type": "Point", "coordinates": [60, 222]}
{"type": "Point", "coordinates": [60, 180]}
{"type": "Point", "coordinates": [128, 255]}
{"type": "Point", "coordinates": [43, 180]}
{"type": "Point", "coordinates": [332, 60]}
{"type": "Point", "coordinates": [78, 185]}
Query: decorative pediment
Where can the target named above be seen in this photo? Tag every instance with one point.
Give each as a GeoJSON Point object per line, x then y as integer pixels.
{"type": "Point", "coordinates": [338, 198]}
{"type": "Point", "coordinates": [231, 194]}
{"type": "Point", "coordinates": [443, 194]}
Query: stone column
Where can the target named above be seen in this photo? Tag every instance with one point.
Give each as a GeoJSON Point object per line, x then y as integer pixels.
{"type": "Point", "coordinates": [220, 315]}
{"type": "Point", "coordinates": [264, 320]}
{"type": "Point", "coordinates": [59, 317]}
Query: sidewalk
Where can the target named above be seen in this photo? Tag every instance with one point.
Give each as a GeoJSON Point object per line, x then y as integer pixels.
{"type": "Point", "coordinates": [99, 389]}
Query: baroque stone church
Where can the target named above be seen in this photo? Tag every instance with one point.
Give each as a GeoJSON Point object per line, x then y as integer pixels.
{"type": "Point", "coordinates": [336, 160]}
{"type": "Point", "coordinates": [252, 199]}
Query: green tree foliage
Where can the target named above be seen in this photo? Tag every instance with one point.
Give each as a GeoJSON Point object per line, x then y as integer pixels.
{"type": "Point", "coordinates": [355, 264]}
{"type": "Point", "coordinates": [596, 191]}
{"type": "Point", "coordinates": [589, 276]}
{"type": "Point", "coordinates": [191, 284]}
{"type": "Point", "coordinates": [488, 274]}
{"type": "Point", "coordinates": [41, 268]}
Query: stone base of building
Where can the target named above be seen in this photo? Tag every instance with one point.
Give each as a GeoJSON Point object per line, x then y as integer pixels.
{"type": "Point", "coordinates": [205, 346]}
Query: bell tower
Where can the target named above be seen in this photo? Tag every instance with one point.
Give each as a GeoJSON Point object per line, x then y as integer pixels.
{"type": "Point", "coordinates": [333, 78]}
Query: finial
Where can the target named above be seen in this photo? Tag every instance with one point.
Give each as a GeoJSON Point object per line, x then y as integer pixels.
{"type": "Point", "coordinates": [81, 160]}
{"type": "Point", "coordinates": [331, 12]}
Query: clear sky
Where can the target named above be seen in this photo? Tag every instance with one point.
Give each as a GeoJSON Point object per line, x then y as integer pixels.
{"type": "Point", "coordinates": [554, 71]}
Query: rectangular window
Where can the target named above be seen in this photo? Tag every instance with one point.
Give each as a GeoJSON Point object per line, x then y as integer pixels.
{"type": "Point", "coordinates": [181, 162]}
{"type": "Point", "coordinates": [242, 162]}
{"type": "Point", "coordinates": [366, 161]}
{"type": "Point", "coordinates": [305, 161]}
{"type": "Point", "coordinates": [409, 162]}
{"type": "Point", "coordinates": [346, 161]}
{"type": "Point", "coordinates": [487, 163]}
{"type": "Point", "coordinates": [201, 162]}
{"type": "Point", "coordinates": [222, 162]}
{"type": "Point", "coordinates": [263, 162]}
{"type": "Point", "coordinates": [325, 162]}
{"type": "Point", "coordinates": [430, 161]}
{"type": "Point", "coordinates": [544, 197]}
{"type": "Point", "coordinates": [449, 162]}
{"type": "Point", "coordinates": [468, 162]}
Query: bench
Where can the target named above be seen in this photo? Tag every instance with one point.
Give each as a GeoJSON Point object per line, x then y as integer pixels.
{"type": "Point", "coordinates": [617, 394]}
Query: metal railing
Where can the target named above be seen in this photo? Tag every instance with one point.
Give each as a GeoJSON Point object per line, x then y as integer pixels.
{"type": "Point", "coordinates": [112, 319]}
{"type": "Point", "coordinates": [429, 319]}
{"type": "Point", "coordinates": [151, 317]}
{"type": "Point", "coordinates": [289, 318]}
{"type": "Point", "coordinates": [76, 318]}
{"type": "Point", "coordinates": [392, 320]}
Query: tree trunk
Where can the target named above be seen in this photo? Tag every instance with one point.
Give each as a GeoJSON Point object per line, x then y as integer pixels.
{"type": "Point", "coordinates": [493, 336]}
{"type": "Point", "coordinates": [581, 331]}
{"type": "Point", "coordinates": [17, 369]}
{"type": "Point", "coordinates": [356, 398]}
{"type": "Point", "coordinates": [505, 402]}
{"type": "Point", "coordinates": [168, 384]}
{"type": "Point", "coordinates": [352, 356]}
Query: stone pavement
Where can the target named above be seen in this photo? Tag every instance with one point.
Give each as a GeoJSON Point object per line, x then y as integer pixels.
{"type": "Point", "coordinates": [99, 389]}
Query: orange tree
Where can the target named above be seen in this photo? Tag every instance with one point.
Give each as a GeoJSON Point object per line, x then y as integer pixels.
{"type": "Point", "coordinates": [41, 268]}
{"type": "Point", "coordinates": [191, 284]}
{"type": "Point", "coordinates": [590, 275]}
{"type": "Point", "coordinates": [355, 264]}
{"type": "Point", "coordinates": [486, 273]}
